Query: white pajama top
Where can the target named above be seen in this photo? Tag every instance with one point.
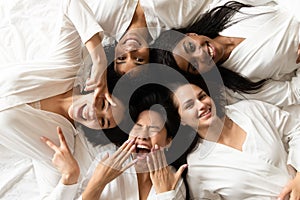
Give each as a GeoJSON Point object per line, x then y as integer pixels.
{"type": "Point", "coordinates": [41, 47]}
{"type": "Point", "coordinates": [269, 51]}
{"type": "Point", "coordinates": [260, 170]}
{"type": "Point", "coordinates": [125, 186]}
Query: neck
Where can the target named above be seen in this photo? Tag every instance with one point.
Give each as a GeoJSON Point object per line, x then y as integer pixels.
{"type": "Point", "coordinates": [228, 43]}
{"type": "Point", "coordinates": [59, 104]}
{"type": "Point", "coordinates": [233, 136]}
{"type": "Point", "coordinates": [144, 177]}
{"type": "Point", "coordinates": [145, 185]}
{"type": "Point", "coordinates": [218, 129]}
{"type": "Point", "coordinates": [139, 22]}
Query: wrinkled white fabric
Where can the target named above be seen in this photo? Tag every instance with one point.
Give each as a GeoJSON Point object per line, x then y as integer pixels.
{"type": "Point", "coordinates": [125, 186]}
{"type": "Point", "coordinates": [269, 51]}
{"type": "Point", "coordinates": [260, 170]}
{"type": "Point", "coordinates": [41, 50]}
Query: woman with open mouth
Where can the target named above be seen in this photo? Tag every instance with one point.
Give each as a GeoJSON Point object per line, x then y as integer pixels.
{"type": "Point", "coordinates": [138, 169]}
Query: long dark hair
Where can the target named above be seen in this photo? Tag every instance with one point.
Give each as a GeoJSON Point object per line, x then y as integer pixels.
{"type": "Point", "coordinates": [210, 24]}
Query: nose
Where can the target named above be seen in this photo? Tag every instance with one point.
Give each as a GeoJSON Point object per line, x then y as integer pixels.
{"type": "Point", "coordinates": [143, 134]}
{"type": "Point", "coordinates": [200, 105]}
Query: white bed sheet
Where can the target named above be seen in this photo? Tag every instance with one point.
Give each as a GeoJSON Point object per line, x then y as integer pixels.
{"type": "Point", "coordinates": [17, 179]}
{"type": "Point", "coordinates": [27, 28]}
{"type": "Point", "coordinates": [26, 24]}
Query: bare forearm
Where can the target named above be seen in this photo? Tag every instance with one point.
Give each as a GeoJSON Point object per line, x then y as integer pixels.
{"type": "Point", "coordinates": [93, 190]}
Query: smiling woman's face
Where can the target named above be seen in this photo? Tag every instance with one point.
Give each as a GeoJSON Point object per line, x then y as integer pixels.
{"type": "Point", "coordinates": [197, 53]}
{"type": "Point", "coordinates": [131, 51]}
{"type": "Point", "coordinates": [102, 116]}
{"type": "Point", "coordinates": [195, 107]}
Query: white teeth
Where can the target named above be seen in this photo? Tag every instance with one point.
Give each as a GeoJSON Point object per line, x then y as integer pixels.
{"type": "Point", "coordinates": [84, 112]}
{"type": "Point", "coordinates": [142, 146]}
{"type": "Point", "coordinates": [203, 114]}
{"type": "Point", "coordinates": [210, 51]}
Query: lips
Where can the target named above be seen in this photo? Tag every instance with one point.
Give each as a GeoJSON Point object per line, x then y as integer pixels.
{"type": "Point", "coordinates": [205, 114]}
{"type": "Point", "coordinates": [210, 50]}
{"type": "Point", "coordinates": [83, 112]}
{"type": "Point", "coordinates": [140, 148]}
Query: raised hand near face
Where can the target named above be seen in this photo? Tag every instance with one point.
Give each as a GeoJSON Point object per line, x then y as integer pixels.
{"type": "Point", "coordinates": [163, 177]}
{"type": "Point", "coordinates": [98, 77]}
{"type": "Point", "coordinates": [63, 159]}
{"type": "Point", "coordinates": [109, 168]}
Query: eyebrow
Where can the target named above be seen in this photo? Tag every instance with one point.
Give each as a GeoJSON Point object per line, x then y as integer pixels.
{"type": "Point", "coordinates": [189, 100]}
{"type": "Point", "coordinates": [139, 124]}
{"type": "Point", "coordinates": [154, 127]}
{"type": "Point", "coordinates": [122, 62]}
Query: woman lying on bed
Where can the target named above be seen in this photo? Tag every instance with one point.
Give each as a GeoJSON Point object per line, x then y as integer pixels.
{"type": "Point", "coordinates": [241, 151]}
{"type": "Point", "coordinates": [23, 125]}
{"type": "Point", "coordinates": [138, 169]}
{"type": "Point", "coordinates": [258, 42]}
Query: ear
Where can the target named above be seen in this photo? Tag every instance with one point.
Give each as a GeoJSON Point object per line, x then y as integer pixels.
{"type": "Point", "coordinates": [191, 34]}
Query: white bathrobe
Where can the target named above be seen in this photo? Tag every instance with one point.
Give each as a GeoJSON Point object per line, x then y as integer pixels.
{"type": "Point", "coordinates": [269, 51]}
{"type": "Point", "coordinates": [125, 186]}
{"type": "Point", "coordinates": [260, 170]}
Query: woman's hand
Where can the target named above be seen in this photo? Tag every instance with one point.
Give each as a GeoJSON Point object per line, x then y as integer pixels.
{"type": "Point", "coordinates": [63, 159]}
{"type": "Point", "coordinates": [292, 189]}
{"type": "Point", "coordinates": [98, 77]}
{"type": "Point", "coordinates": [162, 176]}
{"type": "Point", "coordinates": [109, 168]}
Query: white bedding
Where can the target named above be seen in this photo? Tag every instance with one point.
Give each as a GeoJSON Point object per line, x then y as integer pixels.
{"type": "Point", "coordinates": [17, 179]}
{"type": "Point", "coordinates": [26, 24]}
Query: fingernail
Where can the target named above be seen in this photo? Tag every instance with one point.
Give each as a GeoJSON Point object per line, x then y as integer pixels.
{"type": "Point", "coordinates": [127, 141]}
{"type": "Point", "coordinates": [155, 146]}
{"type": "Point", "coordinates": [185, 165]}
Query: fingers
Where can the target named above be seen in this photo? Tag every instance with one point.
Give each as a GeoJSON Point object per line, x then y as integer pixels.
{"type": "Point", "coordinates": [150, 164]}
{"type": "Point", "coordinates": [159, 156]}
{"type": "Point", "coordinates": [50, 143]}
{"type": "Point", "coordinates": [62, 141]}
{"type": "Point", "coordinates": [61, 137]}
{"type": "Point", "coordinates": [126, 146]}
{"type": "Point", "coordinates": [180, 171]}
{"type": "Point", "coordinates": [121, 155]}
{"type": "Point", "coordinates": [284, 192]}
{"type": "Point", "coordinates": [109, 99]}
{"type": "Point", "coordinates": [156, 159]}
{"type": "Point", "coordinates": [90, 85]}
{"type": "Point", "coordinates": [128, 153]}
{"type": "Point", "coordinates": [129, 165]}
